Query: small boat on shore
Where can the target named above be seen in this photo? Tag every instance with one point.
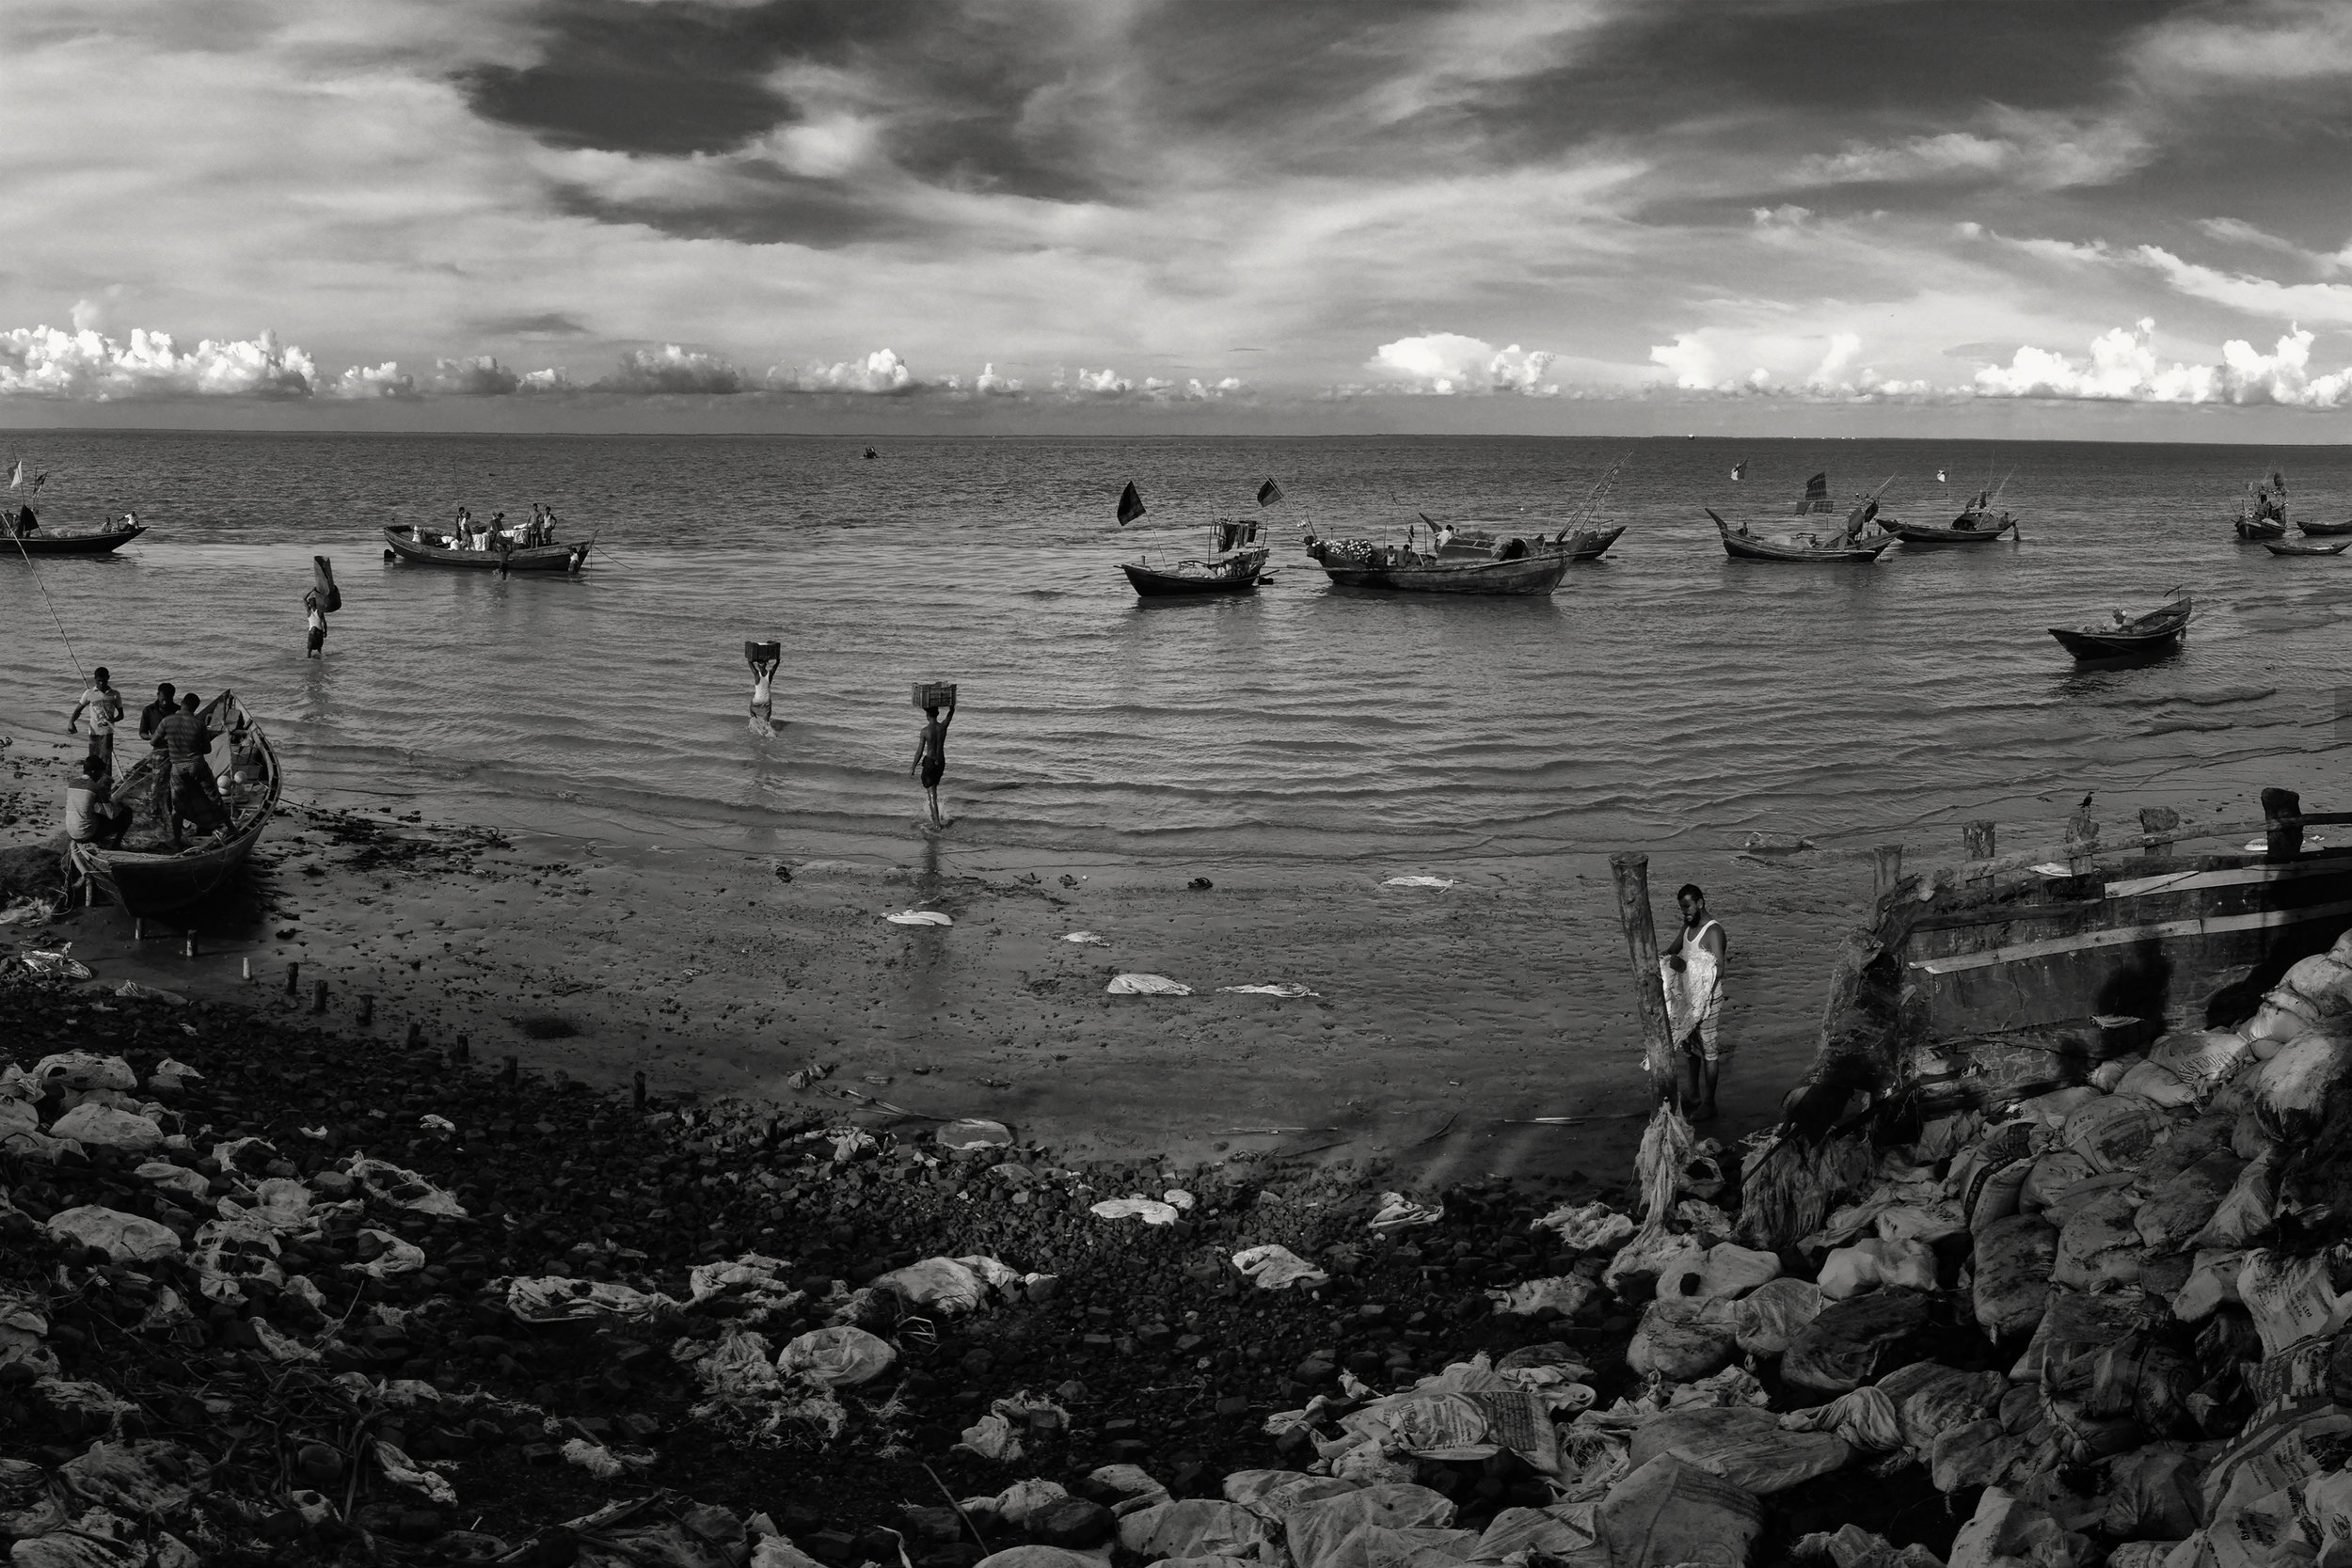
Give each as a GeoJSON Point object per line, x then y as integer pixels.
{"type": "Point", "coordinates": [1235, 564]}
{"type": "Point", "coordinates": [2297, 547]}
{"type": "Point", "coordinates": [145, 875]}
{"type": "Point", "coordinates": [2327, 530]}
{"type": "Point", "coordinates": [408, 542]}
{"type": "Point", "coordinates": [1979, 524]}
{"type": "Point", "coordinates": [103, 541]}
{"type": "Point", "coordinates": [2159, 631]}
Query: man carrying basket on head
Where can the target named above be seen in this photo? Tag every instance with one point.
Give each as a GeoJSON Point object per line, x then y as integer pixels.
{"type": "Point", "coordinates": [930, 749]}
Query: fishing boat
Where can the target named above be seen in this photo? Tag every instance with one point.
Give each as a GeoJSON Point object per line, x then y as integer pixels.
{"type": "Point", "coordinates": [100, 542]}
{"type": "Point", "coordinates": [2326, 531]}
{"type": "Point", "coordinates": [1512, 568]}
{"type": "Point", "coordinates": [1471, 542]}
{"type": "Point", "coordinates": [2297, 547]}
{"type": "Point", "coordinates": [2004, 976]}
{"type": "Point", "coordinates": [2265, 515]}
{"type": "Point", "coordinates": [422, 547]}
{"type": "Point", "coordinates": [2127, 636]}
{"type": "Point", "coordinates": [1847, 546]}
{"type": "Point", "coordinates": [1235, 564]}
{"type": "Point", "coordinates": [1979, 524]}
{"type": "Point", "coordinates": [145, 876]}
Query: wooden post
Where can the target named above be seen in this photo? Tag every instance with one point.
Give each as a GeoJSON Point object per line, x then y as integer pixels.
{"type": "Point", "coordinates": [2284, 839]}
{"type": "Point", "coordinates": [510, 1071]}
{"type": "Point", "coordinates": [367, 1009]}
{"type": "Point", "coordinates": [2082, 842]}
{"type": "Point", "coordinates": [293, 979]}
{"type": "Point", "coordinates": [1631, 872]}
{"type": "Point", "coordinates": [2156, 822]}
{"type": "Point", "coordinates": [318, 996]}
{"type": "Point", "coordinates": [638, 1085]}
{"type": "Point", "coordinates": [416, 1034]}
{"type": "Point", "coordinates": [1979, 837]}
{"type": "Point", "coordinates": [246, 967]}
{"type": "Point", "coordinates": [1887, 870]}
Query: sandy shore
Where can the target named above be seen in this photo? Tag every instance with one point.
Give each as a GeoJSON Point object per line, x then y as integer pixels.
{"type": "Point", "coordinates": [1445, 1019]}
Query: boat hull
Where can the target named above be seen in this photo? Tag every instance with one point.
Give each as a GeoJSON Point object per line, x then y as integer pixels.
{"type": "Point", "coordinates": [1177, 585]}
{"type": "Point", "coordinates": [2253, 531]}
{"type": "Point", "coordinates": [564, 557]}
{"type": "Point", "coordinates": [1742, 546]}
{"type": "Point", "coordinates": [2088, 644]}
{"type": "Point", "coordinates": [70, 543]}
{"type": "Point", "coordinates": [1915, 534]}
{"type": "Point", "coordinates": [2298, 547]}
{"type": "Point", "coordinates": [146, 883]}
{"type": "Point", "coordinates": [1529, 577]}
{"type": "Point", "coordinates": [2326, 531]}
{"type": "Point", "coordinates": [1590, 544]}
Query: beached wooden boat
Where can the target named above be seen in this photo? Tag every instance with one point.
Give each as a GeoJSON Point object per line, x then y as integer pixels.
{"type": "Point", "coordinates": [154, 879]}
{"type": "Point", "coordinates": [103, 541]}
{"type": "Point", "coordinates": [402, 541]}
{"type": "Point", "coordinates": [2159, 631]}
{"type": "Point", "coordinates": [2296, 546]}
{"type": "Point", "coordinates": [1400, 568]}
{"type": "Point", "coordinates": [2327, 530]}
{"type": "Point", "coordinates": [1235, 564]}
{"type": "Point", "coordinates": [1801, 548]}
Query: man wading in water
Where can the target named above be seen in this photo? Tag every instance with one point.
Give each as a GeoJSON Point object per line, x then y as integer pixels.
{"type": "Point", "coordinates": [930, 755]}
{"type": "Point", "coordinates": [1694, 977]}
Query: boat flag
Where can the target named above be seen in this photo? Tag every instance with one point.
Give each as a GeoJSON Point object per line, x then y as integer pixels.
{"type": "Point", "coordinates": [1270, 493]}
{"type": "Point", "coordinates": [1739, 471]}
{"type": "Point", "coordinates": [1130, 504]}
{"type": "Point", "coordinates": [16, 474]}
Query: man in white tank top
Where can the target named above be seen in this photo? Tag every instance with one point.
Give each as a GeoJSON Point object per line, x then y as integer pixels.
{"type": "Point", "coordinates": [1693, 966]}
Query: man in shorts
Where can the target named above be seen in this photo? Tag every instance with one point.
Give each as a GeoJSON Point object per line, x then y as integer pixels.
{"type": "Point", "coordinates": [1693, 966]}
{"type": "Point", "coordinates": [930, 755]}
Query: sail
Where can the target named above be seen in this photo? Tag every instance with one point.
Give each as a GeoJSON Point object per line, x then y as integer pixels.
{"type": "Point", "coordinates": [1815, 495]}
{"type": "Point", "coordinates": [1130, 504]}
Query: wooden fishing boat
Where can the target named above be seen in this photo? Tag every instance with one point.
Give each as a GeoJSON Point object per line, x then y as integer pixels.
{"type": "Point", "coordinates": [2296, 546]}
{"type": "Point", "coordinates": [1469, 542]}
{"type": "Point", "coordinates": [2264, 513]}
{"type": "Point", "coordinates": [1741, 546]}
{"type": "Point", "coordinates": [2008, 975]}
{"type": "Point", "coordinates": [1590, 543]}
{"type": "Point", "coordinates": [147, 877]}
{"type": "Point", "coordinates": [1400, 568]}
{"type": "Point", "coordinates": [2254, 530]}
{"type": "Point", "coordinates": [2326, 531]}
{"type": "Point", "coordinates": [402, 541]}
{"type": "Point", "coordinates": [1978, 525]}
{"type": "Point", "coordinates": [1235, 564]}
{"type": "Point", "coordinates": [2158, 631]}
{"type": "Point", "coordinates": [103, 541]}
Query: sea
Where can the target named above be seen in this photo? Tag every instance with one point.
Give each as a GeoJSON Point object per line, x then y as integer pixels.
{"type": "Point", "coordinates": [1666, 699]}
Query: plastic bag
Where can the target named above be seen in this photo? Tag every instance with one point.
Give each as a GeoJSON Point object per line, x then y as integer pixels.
{"type": "Point", "coordinates": [124, 1237]}
{"type": "Point", "coordinates": [1589, 1227]}
{"type": "Point", "coordinates": [2290, 1298]}
{"type": "Point", "coordinates": [2099, 1244]}
{"type": "Point", "coordinates": [82, 1070]}
{"type": "Point", "coordinates": [1978, 1454]}
{"type": "Point", "coordinates": [1197, 1527]}
{"type": "Point", "coordinates": [1930, 1400]}
{"type": "Point", "coordinates": [103, 1127]}
{"type": "Point", "coordinates": [1765, 1320]}
{"type": "Point", "coordinates": [2151, 1495]}
{"type": "Point", "coordinates": [1865, 1419]}
{"type": "Point", "coordinates": [974, 1133]}
{"type": "Point", "coordinates": [561, 1300]}
{"type": "Point", "coordinates": [2181, 1206]}
{"type": "Point", "coordinates": [1372, 1524]}
{"type": "Point", "coordinates": [2291, 1087]}
{"type": "Point", "coordinates": [2005, 1527]}
{"type": "Point", "coordinates": [1146, 985]}
{"type": "Point", "coordinates": [1748, 1448]}
{"type": "Point", "coordinates": [2013, 1261]}
{"type": "Point", "coordinates": [837, 1358]}
{"type": "Point", "coordinates": [2246, 1212]}
{"type": "Point", "coordinates": [1151, 1210]}
{"type": "Point", "coordinates": [1669, 1511]}
{"type": "Point", "coordinates": [1727, 1271]}
{"type": "Point", "coordinates": [2117, 1131]}
{"type": "Point", "coordinates": [1277, 1268]}
{"type": "Point", "coordinates": [1682, 1339]}
{"type": "Point", "coordinates": [1841, 1349]}
{"type": "Point", "coordinates": [1868, 1265]}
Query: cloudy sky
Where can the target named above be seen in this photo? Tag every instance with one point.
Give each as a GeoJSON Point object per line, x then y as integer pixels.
{"type": "Point", "coordinates": [2075, 216]}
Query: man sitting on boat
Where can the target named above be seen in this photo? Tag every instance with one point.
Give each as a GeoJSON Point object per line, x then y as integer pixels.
{"type": "Point", "coordinates": [92, 815]}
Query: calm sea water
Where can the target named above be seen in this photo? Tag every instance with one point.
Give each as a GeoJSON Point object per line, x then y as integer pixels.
{"type": "Point", "coordinates": [1666, 697]}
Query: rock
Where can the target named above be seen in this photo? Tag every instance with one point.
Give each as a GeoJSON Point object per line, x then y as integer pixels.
{"type": "Point", "coordinates": [1072, 1522]}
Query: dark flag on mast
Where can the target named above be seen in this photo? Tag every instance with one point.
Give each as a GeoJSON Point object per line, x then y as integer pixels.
{"type": "Point", "coordinates": [1130, 504]}
{"type": "Point", "coordinates": [1270, 493]}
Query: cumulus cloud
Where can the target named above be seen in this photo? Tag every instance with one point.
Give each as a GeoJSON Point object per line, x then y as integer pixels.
{"type": "Point", "coordinates": [881, 373]}
{"type": "Point", "coordinates": [1778, 364]}
{"type": "Point", "coordinates": [372, 381]}
{"type": "Point", "coordinates": [672, 369]}
{"type": "Point", "coordinates": [1103, 383]}
{"type": "Point", "coordinates": [2123, 367]}
{"type": "Point", "coordinates": [1443, 364]}
{"type": "Point", "coordinates": [989, 384]}
{"type": "Point", "coordinates": [48, 361]}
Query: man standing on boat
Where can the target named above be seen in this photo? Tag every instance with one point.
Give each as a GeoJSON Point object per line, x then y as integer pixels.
{"type": "Point", "coordinates": [185, 741]}
{"type": "Point", "coordinates": [930, 755]}
{"type": "Point", "coordinates": [1693, 966]}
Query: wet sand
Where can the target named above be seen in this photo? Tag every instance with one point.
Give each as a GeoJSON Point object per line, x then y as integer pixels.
{"type": "Point", "coordinates": [1443, 1018]}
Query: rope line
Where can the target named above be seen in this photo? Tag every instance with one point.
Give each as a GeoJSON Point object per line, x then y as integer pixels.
{"type": "Point", "coordinates": [52, 604]}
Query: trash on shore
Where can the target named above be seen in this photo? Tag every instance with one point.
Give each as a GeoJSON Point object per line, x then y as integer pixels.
{"type": "Point", "coordinates": [1417, 882]}
{"type": "Point", "coordinates": [919, 917]}
{"type": "Point", "coordinates": [1146, 985]}
{"type": "Point", "coordinates": [1283, 989]}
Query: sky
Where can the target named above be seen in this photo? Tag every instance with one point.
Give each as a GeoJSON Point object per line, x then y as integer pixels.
{"type": "Point", "coordinates": [2119, 218]}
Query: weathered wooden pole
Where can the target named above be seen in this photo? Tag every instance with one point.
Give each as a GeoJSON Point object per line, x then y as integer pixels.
{"type": "Point", "coordinates": [1979, 837]}
{"type": "Point", "coordinates": [1631, 873]}
{"type": "Point", "coordinates": [2285, 838]}
{"type": "Point", "coordinates": [2082, 841]}
{"type": "Point", "coordinates": [1887, 870]}
{"type": "Point", "coordinates": [2155, 823]}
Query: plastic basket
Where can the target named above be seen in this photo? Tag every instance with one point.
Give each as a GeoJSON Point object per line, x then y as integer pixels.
{"type": "Point", "coordinates": [929, 694]}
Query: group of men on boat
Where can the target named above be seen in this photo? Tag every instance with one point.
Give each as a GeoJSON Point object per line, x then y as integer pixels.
{"type": "Point", "coordinates": [181, 789]}
{"type": "Point", "coordinates": [23, 523]}
{"type": "Point", "coordinates": [468, 534]}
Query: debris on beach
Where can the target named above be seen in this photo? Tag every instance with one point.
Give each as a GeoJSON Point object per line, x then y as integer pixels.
{"type": "Point", "coordinates": [1146, 985]}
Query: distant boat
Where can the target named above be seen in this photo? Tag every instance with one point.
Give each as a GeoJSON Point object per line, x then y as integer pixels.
{"type": "Point", "coordinates": [420, 549]}
{"type": "Point", "coordinates": [2297, 547]}
{"type": "Point", "coordinates": [871, 455]}
{"type": "Point", "coordinates": [2266, 517]}
{"type": "Point", "coordinates": [1739, 471]}
{"type": "Point", "coordinates": [1977, 524]}
{"type": "Point", "coordinates": [1940, 479]}
{"type": "Point", "coordinates": [2326, 531]}
{"type": "Point", "coordinates": [104, 542]}
{"type": "Point", "coordinates": [1518, 570]}
{"type": "Point", "coordinates": [2159, 631]}
{"type": "Point", "coordinates": [1845, 547]}
{"type": "Point", "coordinates": [1235, 564]}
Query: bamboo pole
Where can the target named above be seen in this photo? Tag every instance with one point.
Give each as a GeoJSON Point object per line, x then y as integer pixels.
{"type": "Point", "coordinates": [2020, 860]}
{"type": "Point", "coordinates": [1631, 874]}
